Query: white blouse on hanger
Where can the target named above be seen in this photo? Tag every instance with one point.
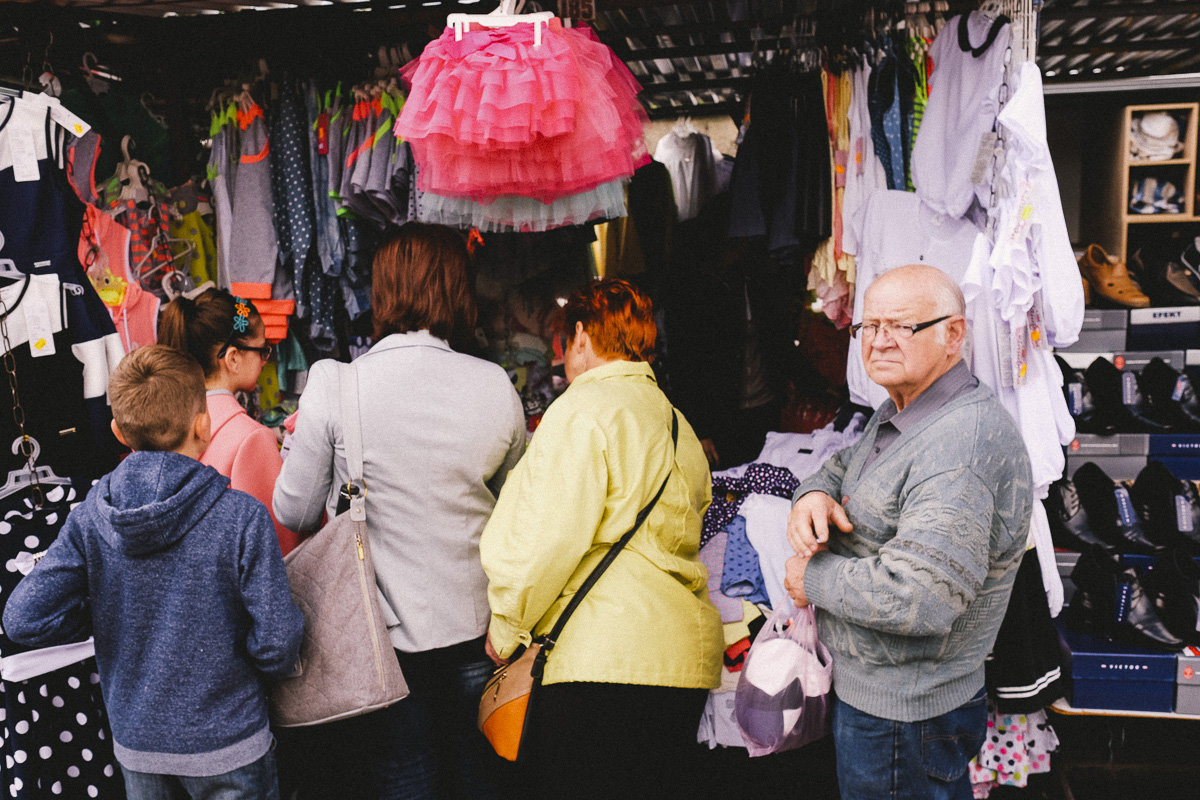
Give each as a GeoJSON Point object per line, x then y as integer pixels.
{"type": "Point", "coordinates": [1033, 252]}
{"type": "Point", "coordinates": [894, 229]}
{"type": "Point", "coordinates": [963, 102]}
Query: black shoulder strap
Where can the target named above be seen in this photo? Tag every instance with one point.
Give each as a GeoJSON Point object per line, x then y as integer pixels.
{"type": "Point", "coordinates": [964, 36]}
{"type": "Point", "coordinates": [549, 639]}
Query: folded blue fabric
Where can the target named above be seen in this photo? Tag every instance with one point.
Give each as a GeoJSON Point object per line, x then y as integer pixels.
{"type": "Point", "coordinates": [742, 575]}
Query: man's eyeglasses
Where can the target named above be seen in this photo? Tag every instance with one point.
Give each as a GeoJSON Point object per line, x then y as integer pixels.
{"type": "Point", "coordinates": [896, 331]}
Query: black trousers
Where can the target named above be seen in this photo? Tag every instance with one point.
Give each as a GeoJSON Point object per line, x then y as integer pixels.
{"type": "Point", "coordinates": [613, 740]}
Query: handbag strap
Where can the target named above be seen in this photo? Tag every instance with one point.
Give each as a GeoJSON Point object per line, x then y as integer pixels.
{"type": "Point", "coordinates": [356, 488]}
{"type": "Point", "coordinates": [549, 639]}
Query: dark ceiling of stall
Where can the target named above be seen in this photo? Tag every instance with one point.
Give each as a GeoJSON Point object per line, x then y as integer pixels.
{"type": "Point", "coordinates": [694, 57]}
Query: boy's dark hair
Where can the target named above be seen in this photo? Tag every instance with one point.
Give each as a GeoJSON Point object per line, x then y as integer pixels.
{"type": "Point", "coordinates": [156, 393]}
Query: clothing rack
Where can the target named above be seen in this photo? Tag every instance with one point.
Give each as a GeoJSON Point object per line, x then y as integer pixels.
{"type": "Point", "coordinates": [1023, 22]}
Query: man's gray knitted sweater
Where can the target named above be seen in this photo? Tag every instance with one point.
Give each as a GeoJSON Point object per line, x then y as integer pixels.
{"type": "Point", "coordinates": [910, 601]}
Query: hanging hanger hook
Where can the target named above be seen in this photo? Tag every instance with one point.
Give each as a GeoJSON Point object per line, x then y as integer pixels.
{"type": "Point", "coordinates": [46, 55]}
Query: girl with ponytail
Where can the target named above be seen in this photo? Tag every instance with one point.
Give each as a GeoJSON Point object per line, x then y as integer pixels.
{"type": "Point", "coordinates": [226, 336]}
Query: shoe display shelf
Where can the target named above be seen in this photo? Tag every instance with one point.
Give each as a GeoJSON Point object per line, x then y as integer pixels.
{"type": "Point", "coordinates": [1149, 192]}
{"type": "Point", "coordinates": [1113, 678]}
{"type": "Point", "coordinates": [1122, 455]}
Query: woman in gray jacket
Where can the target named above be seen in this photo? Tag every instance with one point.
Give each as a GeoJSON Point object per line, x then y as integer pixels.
{"type": "Point", "coordinates": [441, 430]}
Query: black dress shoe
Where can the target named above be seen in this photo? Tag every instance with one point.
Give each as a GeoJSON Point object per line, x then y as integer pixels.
{"type": "Point", "coordinates": [1173, 586]}
{"type": "Point", "coordinates": [1169, 514]}
{"type": "Point", "coordinates": [1112, 513]}
{"type": "Point", "coordinates": [1080, 403]}
{"type": "Point", "coordinates": [1118, 399]}
{"type": "Point", "coordinates": [1110, 601]}
{"type": "Point", "coordinates": [1170, 398]}
{"type": "Point", "coordinates": [1069, 526]}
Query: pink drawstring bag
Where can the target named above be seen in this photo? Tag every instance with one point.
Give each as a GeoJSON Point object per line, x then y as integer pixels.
{"type": "Point", "coordinates": [783, 692]}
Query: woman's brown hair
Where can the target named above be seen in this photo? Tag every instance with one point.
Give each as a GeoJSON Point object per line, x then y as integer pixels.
{"type": "Point", "coordinates": [204, 326]}
{"type": "Point", "coordinates": [617, 316]}
{"type": "Point", "coordinates": [421, 282]}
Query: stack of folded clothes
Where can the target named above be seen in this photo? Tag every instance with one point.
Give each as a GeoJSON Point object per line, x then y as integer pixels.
{"type": "Point", "coordinates": [1155, 136]}
{"type": "Point", "coordinates": [1155, 195]}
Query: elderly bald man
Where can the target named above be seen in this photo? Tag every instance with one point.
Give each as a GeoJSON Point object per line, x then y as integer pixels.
{"type": "Point", "coordinates": [908, 543]}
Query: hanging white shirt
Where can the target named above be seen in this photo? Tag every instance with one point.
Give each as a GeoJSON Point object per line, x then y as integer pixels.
{"type": "Point", "coordinates": [1038, 406]}
{"type": "Point", "coordinates": [1033, 249]}
{"type": "Point", "coordinates": [894, 229]}
{"type": "Point", "coordinates": [963, 102]}
{"type": "Point", "coordinates": [864, 172]}
{"type": "Point", "coordinates": [694, 164]}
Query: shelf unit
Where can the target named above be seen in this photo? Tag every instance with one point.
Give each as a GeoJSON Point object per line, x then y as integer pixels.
{"type": "Point", "coordinates": [1061, 706]}
{"type": "Point", "coordinates": [1117, 216]}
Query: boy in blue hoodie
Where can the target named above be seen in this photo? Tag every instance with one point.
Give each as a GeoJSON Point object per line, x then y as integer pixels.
{"type": "Point", "coordinates": [181, 581]}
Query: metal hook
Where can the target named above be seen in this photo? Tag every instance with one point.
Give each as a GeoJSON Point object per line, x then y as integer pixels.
{"type": "Point", "coordinates": [46, 55]}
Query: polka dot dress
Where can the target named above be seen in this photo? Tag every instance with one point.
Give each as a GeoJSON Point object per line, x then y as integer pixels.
{"type": "Point", "coordinates": [54, 734]}
{"type": "Point", "coordinates": [1017, 746]}
{"type": "Point", "coordinates": [295, 216]}
{"type": "Point", "coordinates": [24, 531]}
{"type": "Point", "coordinates": [57, 741]}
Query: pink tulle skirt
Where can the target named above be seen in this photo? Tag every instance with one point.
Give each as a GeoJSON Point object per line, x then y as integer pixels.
{"type": "Point", "coordinates": [494, 116]}
{"type": "Point", "coordinates": [493, 89]}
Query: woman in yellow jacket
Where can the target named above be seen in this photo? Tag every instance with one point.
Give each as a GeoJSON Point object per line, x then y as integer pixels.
{"type": "Point", "coordinates": [625, 685]}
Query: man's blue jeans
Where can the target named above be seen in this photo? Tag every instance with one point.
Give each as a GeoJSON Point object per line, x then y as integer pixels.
{"type": "Point", "coordinates": [927, 760]}
{"type": "Point", "coordinates": [255, 781]}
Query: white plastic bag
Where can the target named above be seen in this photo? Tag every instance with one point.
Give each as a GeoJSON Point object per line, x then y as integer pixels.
{"type": "Point", "coordinates": [783, 692]}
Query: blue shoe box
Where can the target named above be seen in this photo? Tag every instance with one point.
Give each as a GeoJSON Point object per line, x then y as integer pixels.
{"type": "Point", "coordinates": [1163, 328]}
{"type": "Point", "coordinates": [1179, 452]}
{"type": "Point", "coordinates": [1109, 675]}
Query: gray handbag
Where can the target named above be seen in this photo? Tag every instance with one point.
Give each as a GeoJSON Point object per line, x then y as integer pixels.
{"type": "Point", "coordinates": [347, 665]}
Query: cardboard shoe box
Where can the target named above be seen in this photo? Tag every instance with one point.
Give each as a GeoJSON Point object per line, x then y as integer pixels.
{"type": "Point", "coordinates": [1108, 675]}
{"type": "Point", "coordinates": [1187, 681]}
{"type": "Point", "coordinates": [1103, 331]}
{"type": "Point", "coordinates": [1121, 456]}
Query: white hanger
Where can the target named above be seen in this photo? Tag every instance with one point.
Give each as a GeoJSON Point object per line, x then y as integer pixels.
{"type": "Point", "coordinates": [684, 126]}
{"type": "Point", "coordinates": [24, 477]}
{"type": "Point", "coordinates": [8, 269]}
{"type": "Point", "coordinates": [990, 8]}
{"type": "Point", "coordinates": [98, 77]}
{"type": "Point", "coordinates": [506, 15]}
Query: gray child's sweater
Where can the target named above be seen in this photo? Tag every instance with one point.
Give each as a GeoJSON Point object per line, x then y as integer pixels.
{"type": "Point", "coordinates": [910, 601]}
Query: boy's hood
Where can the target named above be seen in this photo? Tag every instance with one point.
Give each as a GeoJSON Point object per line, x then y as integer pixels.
{"type": "Point", "coordinates": [153, 499]}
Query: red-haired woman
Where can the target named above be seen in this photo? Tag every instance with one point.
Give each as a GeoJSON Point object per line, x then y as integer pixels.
{"type": "Point", "coordinates": [440, 432]}
{"type": "Point", "coordinates": [626, 683]}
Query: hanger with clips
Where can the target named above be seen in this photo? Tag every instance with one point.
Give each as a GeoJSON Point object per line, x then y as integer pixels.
{"type": "Point", "coordinates": [23, 478]}
{"type": "Point", "coordinates": [506, 15]}
{"type": "Point", "coordinates": [9, 271]}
